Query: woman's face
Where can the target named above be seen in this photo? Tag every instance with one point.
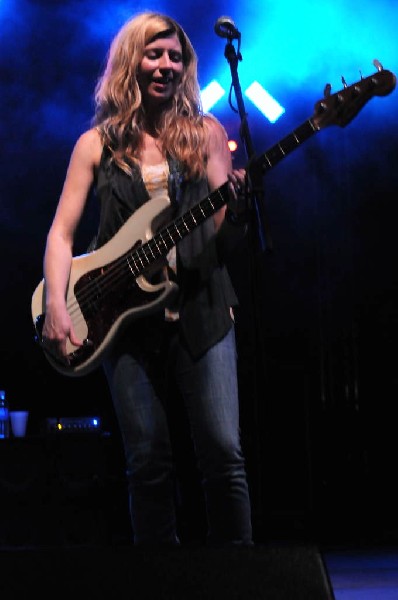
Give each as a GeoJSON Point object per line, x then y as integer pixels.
{"type": "Point", "coordinates": [160, 70]}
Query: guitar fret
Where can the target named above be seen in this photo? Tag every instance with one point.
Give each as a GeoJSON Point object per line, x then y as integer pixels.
{"type": "Point", "coordinates": [163, 241]}
{"type": "Point", "coordinates": [281, 149]}
{"type": "Point", "coordinates": [139, 258]}
{"type": "Point", "coordinates": [314, 127]}
{"type": "Point", "coordinates": [180, 235]}
{"type": "Point", "coordinates": [274, 155]}
{"type": "Point", "coordinates": [137, 268]}
{"type": "Point", "coordinates": [131, 267]}
{"type": "Point", "coordinates": [185, 225]}
{"type": "Point", "coordinates": [268, 160]}
{"type": "Point", "coordinates": [151, 251]}
{"type": "Point", "coordinates": [200, 216]}
{"type": "Point", "coordinates": [171, 238]}
{"type": "Point", "coordinates": [157, 248]}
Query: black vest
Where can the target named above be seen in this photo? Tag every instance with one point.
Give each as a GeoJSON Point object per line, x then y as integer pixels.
{"type": "Point", "coordinates": [206, 292]}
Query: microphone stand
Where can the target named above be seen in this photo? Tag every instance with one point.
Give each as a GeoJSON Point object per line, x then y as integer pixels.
{"type": "Point", "coordinates": [253, 169]}
{"type": "Point", "coordinates": [254, 191]}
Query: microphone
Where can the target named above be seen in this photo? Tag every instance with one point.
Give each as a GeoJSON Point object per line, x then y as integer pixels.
{"type": "Point", "coordinates": [226, 28]}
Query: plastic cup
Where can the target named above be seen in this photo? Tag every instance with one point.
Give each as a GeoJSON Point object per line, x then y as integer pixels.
{"type": "Point", "coordinates": [19, 422]}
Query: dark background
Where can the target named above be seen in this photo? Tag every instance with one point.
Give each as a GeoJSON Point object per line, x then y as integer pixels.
{"type": "Point", "coordinates": [317, 325]}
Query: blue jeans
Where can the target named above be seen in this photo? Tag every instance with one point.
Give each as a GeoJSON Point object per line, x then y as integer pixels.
{"type": "Point", "coordinates": [137, 374]}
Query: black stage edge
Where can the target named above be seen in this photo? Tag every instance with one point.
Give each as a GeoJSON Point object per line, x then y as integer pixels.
{"type": "Point", "coordinates": [269, 572]}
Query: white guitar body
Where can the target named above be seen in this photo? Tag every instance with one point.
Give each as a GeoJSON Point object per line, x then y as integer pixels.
{"type": "Point", "coordinates": [139, 228]}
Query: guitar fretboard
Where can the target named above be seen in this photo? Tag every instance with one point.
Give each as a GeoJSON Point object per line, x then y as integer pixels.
{"type": "Point", "coordinates": [289, 143]}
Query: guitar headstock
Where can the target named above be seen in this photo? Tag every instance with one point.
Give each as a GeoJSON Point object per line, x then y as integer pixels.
{"type": "Point", "coordinates": [340, 108]}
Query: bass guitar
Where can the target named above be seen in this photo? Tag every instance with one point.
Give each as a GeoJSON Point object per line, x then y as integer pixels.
{"type": "Point", "coordinates": [109, 287]}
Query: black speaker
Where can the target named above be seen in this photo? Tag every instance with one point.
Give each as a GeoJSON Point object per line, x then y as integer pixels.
{"type": "Point", "coordinates": [268, 572]}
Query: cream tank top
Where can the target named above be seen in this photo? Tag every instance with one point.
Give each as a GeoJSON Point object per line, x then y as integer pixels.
{"type": "Point", "coordinates": [156, 179]}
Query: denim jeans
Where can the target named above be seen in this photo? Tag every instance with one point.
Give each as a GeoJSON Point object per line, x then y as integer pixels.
{"type": "Point", "coordinates": [137, 373]}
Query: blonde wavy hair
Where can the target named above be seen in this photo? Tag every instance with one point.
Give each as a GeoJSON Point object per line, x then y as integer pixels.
{"type": "Point", "coordinates": [119, 113]}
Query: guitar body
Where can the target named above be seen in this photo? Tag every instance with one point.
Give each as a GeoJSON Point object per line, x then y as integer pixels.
{"type": "Point", "coordinates": [99, 320]}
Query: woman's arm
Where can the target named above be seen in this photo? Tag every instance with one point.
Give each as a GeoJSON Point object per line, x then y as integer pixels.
{"type": "Point", "coordinates": [219, 169]}
{"type": "Point", "coordinates": [85, 158]}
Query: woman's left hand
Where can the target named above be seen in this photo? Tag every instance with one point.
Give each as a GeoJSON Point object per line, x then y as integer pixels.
{"type": "Point", "coordinates": [238, 203]}
{"type": "Point", "coordinates": [237, 182]}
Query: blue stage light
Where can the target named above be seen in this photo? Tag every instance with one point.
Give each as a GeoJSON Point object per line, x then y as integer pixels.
{"type": "Point", "coordinates": [211, 94]}
{"type": "Point", "coordinates": [265, 103]}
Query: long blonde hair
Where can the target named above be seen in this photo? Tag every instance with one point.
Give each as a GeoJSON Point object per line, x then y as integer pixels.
{"type": "Point", "coordinates": [119, 112]}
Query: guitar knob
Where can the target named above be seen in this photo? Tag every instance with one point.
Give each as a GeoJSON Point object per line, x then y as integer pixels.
{"type": "Point", "coordinates": [326, 91]}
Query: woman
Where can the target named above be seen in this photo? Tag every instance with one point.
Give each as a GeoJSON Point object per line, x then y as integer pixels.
{"type": "Point", "coordinates": [150, 138]}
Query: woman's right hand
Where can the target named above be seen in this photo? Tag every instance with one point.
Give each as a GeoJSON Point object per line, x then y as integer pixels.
{"type": "Point", "coordinates": [57, 330]}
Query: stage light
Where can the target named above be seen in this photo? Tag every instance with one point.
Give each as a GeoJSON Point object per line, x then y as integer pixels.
{"type": "Point", "coordinates": [265, 103]}
{"type": "Point", "coordinates": [211, 94]}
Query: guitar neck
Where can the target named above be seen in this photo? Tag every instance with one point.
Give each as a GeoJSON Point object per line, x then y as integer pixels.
{"type": "Point", "coordinates": [338, 109]}
{"type": "Point", "coordinates": [168, 237]}
{"type": "Point", "coordinates": [274, 155]}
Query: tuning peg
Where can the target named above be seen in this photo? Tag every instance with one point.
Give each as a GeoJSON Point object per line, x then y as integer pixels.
{"type": "Point", "coordinates": [326, 91]}
{"type": "Point", "coordinates": [343, 81]}
{"type": "Point", "coordinates": [378, 64]}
